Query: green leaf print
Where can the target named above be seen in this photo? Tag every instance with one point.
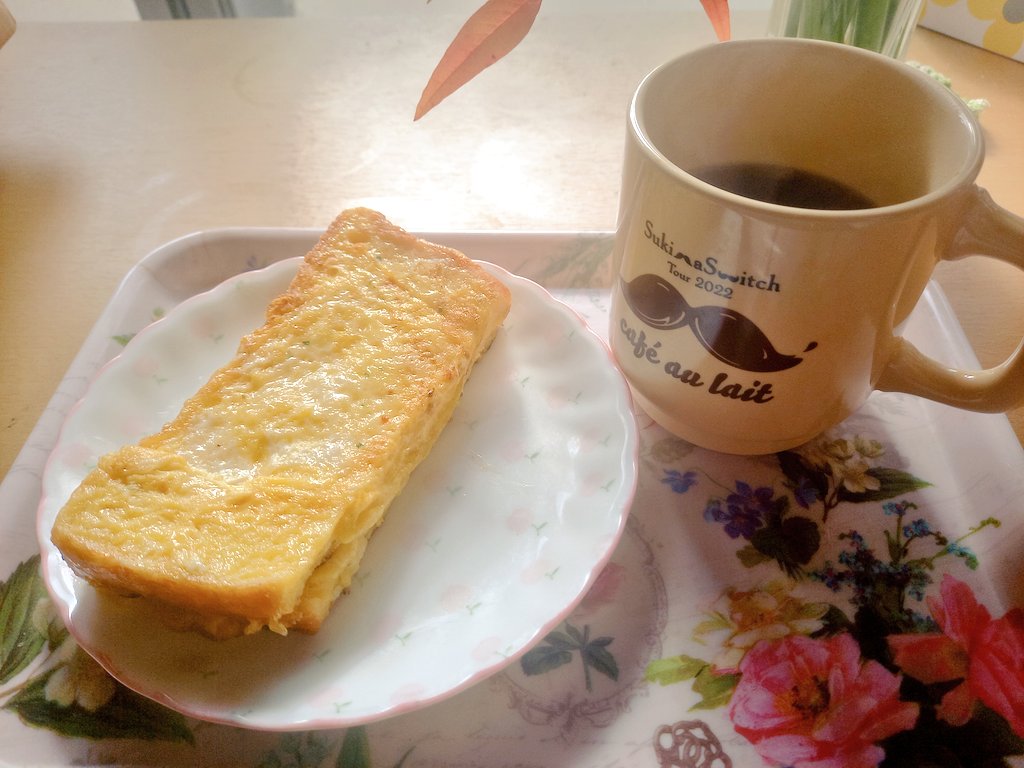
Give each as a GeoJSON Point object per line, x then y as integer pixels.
{"type": "Point", "coordinates": [298, 750]}
{"type": "Point", "coordinates": [125, 715]}
{"type": "Point", "coordinates": [893, 483]}
{"type": "Point", "coordinates": [545, 658]}
{"type": "Point", "coordinates": [558, 648]}
{"type": "Point", "coordinates": [597, 656]}
{"type": "Point", "coordinates": [20, 640]}
{"type": "Point", "coordinates": [675, 669]}
{"type": "Point", "coordinates": [355, 749]}
{"type": "Point", "coordinates": [791, 542]}
{"type": "Point", "coordinates": [68, 692]}
{"type": "Point", "coordinates": [714, 688]}
{"type": "Point", "coordinates": [831, 470]}
{"type": "Point", "coordinates": [750, 556]}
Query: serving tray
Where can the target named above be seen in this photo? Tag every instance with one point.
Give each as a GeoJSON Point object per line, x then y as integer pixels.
{"type": "Point", "coordinates": [733, 575]}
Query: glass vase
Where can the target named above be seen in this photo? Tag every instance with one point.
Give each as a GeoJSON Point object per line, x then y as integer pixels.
{"type": "Point", "coordinates": [884, 26]}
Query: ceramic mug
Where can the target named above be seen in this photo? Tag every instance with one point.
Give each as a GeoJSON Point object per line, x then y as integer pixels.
{"type": "Point", "coordinates": [747, 322]}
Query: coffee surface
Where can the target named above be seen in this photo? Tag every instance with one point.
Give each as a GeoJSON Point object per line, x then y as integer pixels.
{"type": "Point", "coordinates": [783, 185]}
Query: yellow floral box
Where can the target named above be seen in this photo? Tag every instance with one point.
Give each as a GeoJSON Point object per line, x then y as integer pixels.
{"type": "Point", "coordinates": [996, 25]}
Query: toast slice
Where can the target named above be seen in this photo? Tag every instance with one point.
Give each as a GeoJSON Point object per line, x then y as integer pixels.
{"type": "Point", "coordinates": [253, 507]}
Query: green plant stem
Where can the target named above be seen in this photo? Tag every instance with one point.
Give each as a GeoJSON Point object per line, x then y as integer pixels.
{"type": "Point", "coordinates": [929, 562]}
{"type": "Point", "coordinates": [863, 23]}
{"type": "Point", "coordinates": [872, 24]}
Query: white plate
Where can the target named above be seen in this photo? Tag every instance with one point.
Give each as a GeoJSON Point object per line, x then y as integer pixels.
{"type": "Point", "coordinates": [496, 538]}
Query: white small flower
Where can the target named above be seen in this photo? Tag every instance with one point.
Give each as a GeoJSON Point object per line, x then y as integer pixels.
{"type": "Point", "coordinates": [80, 680]}
{"type": "Point", "coordinates": [43, 614]}
{"type": "Point", "coordinates": [740, 619]}
{"type": "Point", "coordinates": [846, 460]}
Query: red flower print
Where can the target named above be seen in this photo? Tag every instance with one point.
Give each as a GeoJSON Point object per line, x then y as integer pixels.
{"type": "Point", "coordinates": [986, 653]}
{"type": "Point", "coordinates": [813, 703]}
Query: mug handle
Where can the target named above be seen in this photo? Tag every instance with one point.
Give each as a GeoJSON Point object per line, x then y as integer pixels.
{"type": "Point", "coordinates": [988, 230]}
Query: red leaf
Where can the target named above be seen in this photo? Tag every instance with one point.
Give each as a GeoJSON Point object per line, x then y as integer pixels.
{"type": "Point", "coordinates": [718, 13]}
{"type": "Point", "coordinates": [489, 34]}
{"type": "Point", "coordinates": [930, 657]}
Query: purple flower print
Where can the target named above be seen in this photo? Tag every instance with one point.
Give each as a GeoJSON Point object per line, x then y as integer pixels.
{"type": "Point", "coordinates": [743, 511]}
{"type": "Point", "coordinates": [680, 482]}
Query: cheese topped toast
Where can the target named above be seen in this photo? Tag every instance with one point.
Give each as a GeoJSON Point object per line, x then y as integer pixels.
{"type": "Point", "coordinates": [253, 507]}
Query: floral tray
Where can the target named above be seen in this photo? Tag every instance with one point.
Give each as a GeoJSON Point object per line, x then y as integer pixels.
{"type": "Point", "coordinates": [847, 603]}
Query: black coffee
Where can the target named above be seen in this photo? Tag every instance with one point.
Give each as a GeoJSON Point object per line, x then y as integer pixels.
{"type": "Point", "coordinates": [782, 185]}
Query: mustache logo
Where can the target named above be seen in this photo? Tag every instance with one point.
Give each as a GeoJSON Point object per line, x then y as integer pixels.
{"type": "Point", "coordinates": [726, 334]}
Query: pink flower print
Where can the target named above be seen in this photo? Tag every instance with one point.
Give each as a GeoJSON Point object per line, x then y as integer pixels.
{"type": "Point", "coordinates": [604, 590]}
{"type": "Point", "coordinates": [387, 627]}
{"type": "Point", "coordinates": [331, 698]}
{"type": "Point", "coordinates": [594, 483]}
{"type": "Point", "coordinates": [986, 654]}
{"type": "Point", "coordinates": [513, 451]}
{"type": "Point", "coordinates": [77, 455]}
{"type": "Point", "coordinates": [554, 336]}
{"type": "Point", "coordinates": [560, 397]}
{"type": "Point", "coordinates": [146, 367]}
{"type": "Point", "coordinates": [592, 438]}
{"type": "Point", "coordinates": [456, 598]}
{"type": "Point", "coordinates": [538, 571]}
{"type": "Point", "coordinates": [519, 520]}
{"type": "Point", "coordinates": [813, 703]}
{"type": "Point", "coordinates": [410, 693]}
{"type": "Point", "coordinates": [205, 327]}
{"type": "Point", "coordinates": [488, 649]}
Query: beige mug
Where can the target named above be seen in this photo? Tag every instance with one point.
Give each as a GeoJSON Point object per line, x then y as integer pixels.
{"type": "Point", "coordinates": [783, 205]}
